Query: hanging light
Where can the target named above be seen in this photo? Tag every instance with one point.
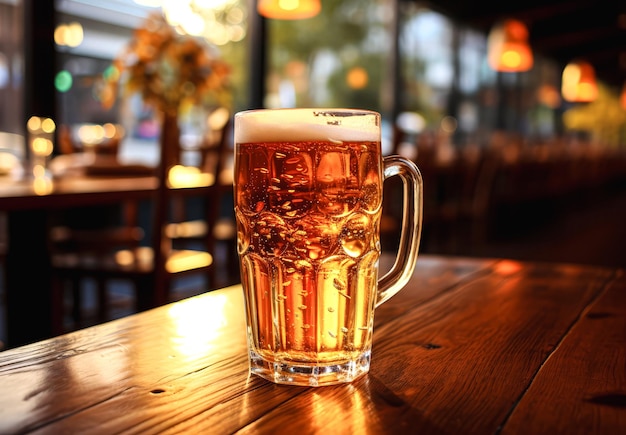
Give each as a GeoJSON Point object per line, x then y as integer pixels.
{"type": "Point", "coordinates": [289, 9]}
{"type": "Point", "coordinates": [578, 84]}
{"type": "Point", "coordinates": [507, 47]}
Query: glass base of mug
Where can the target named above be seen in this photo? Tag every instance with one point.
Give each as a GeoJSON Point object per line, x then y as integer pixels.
{"type": "Point", "coordinates": [307, 374]}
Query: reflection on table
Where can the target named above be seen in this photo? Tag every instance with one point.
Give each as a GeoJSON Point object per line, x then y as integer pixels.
{"type": "Point", "coordinates": [469, 346]}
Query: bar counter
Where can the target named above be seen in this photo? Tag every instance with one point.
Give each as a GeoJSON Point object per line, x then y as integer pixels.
{"type": "Point", "coordinates": [471, 345]}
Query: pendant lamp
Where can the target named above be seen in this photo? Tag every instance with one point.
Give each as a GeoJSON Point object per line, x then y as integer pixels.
{"type": "Point", "coordinates": [507, 47]}
{"type": "Point", "coordinates": [578, 83]}
{"type": "Point", "coordinates": [289, 9]}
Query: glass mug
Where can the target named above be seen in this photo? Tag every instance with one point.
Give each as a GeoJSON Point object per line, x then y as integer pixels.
{"type": "Point", "coordinates": [308, 187]}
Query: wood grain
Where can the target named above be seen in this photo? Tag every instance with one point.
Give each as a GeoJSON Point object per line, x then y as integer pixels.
{"type": "Point", "coordinates": [469, 346]}
{"type": "Point", "coordinates": [581, 389]}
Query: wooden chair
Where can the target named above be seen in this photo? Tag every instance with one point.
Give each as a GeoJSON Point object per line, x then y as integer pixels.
{"type": "Point", "coordinates": [151, 258]}
{"type": "Point", "coordinates": [217, 234]}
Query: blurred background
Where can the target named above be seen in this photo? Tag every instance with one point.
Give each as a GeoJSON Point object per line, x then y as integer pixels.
{"type": "Point", "coordinates": [514, 111]}
{"type": "Point", "coordinates": [424, 65]}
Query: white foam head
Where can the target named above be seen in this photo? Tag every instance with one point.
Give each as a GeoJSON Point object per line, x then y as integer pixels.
{"type": "Point", "coordinates": [282, 125]}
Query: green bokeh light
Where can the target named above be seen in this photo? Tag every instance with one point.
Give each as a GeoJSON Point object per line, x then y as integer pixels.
{"type": "Point", "coordinates": [63, 81]}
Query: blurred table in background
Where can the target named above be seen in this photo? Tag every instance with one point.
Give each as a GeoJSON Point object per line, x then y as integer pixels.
{"type": "Point", "coordinates": [27, 204]}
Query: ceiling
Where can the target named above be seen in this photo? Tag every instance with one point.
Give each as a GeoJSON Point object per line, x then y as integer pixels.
{"type": "Point", "coordinates": [562, 30]}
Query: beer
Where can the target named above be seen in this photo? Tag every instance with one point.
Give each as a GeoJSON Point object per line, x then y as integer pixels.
{"type": "Point", "coordinates": [308, 202]}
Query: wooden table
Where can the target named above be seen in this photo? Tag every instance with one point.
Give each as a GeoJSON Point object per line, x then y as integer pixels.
{"type": "Point", "coordinates": [469, 346]}
{"type": "Point", "coordinates": [28, 203]}
{"type": "Point", "coordinates": [28, 268]}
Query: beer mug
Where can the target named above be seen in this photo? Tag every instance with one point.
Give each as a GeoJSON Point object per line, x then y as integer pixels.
{"type": "Point", "coordinates": [308, 186]}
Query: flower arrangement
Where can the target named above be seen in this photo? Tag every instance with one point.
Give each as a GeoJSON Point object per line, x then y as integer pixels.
{"type": "Point", "coordinates": [170, 70]}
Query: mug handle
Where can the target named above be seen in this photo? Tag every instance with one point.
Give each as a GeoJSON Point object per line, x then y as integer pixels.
{"type": "Point", "coordinates": [403, 267]}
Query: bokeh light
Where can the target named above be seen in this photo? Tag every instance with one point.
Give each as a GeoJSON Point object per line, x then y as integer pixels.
{"type": "Point", "coordinates": [63, 81]}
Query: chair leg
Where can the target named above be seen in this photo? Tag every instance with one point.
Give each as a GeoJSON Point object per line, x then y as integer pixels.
{"type": "Point", "coordinates": [143, 293]}
{"type": "Point", "coordinates": [58, 305]}
{"type": "Point", "coordinates": [77, 299]}
{"type": "Point", "coordinates": [101, 288]}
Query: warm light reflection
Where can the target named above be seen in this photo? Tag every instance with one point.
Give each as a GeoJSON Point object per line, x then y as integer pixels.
{"type": "Point", "coordinates": [177, 261]}
{"type": "Point", "coordinates": [70, 35]}
{"type": "Point", "coordinates": [354, 411]}
{"type": "Point", "coordinates": [218, 118]}
{"type": "Point", "coordinates": [578, 84]}
{"type": "Point", "coordinates": [187, 229]}
{"type": "Point", "coordinates": [48, 125]}
{"type": "Point", "coordinates": [40, 139]}
{"type": "Point", "coordinates": [507, 47]}
{"type": "Point", "coordinates": [42, 146]}
{"type": "Point", "coordinates": [507, 267]}
{"type": "Point", "coordinates": [181, 176]}
{"type": "Point", "coordinates": [93, 134]}
{"type": "Point", "coordinates": [24, 383]}
{"type": "Point", "coordinates": [39, 171]}
{"type": "Point", "coordinates": [42, 184]}
{"type": "Point", "coordinates": [36, 124]}
{"type": "Point", "coordinates": [33, 124]}
{"type": "Point", "coordinates": [217, 21]}
{"type": "Point", "coordinates": [357, 78]}
{"type": "Point", "coordinates": [124, 257]}
{"type": "Point", "coordinates": [549, 96]}
{"type": "Point", "coordinates": [289, 9]}
{"type": "Point", "coordinates": [181, 261]}
{"type": "Point", "coordinates": [199, 324]}
{"type": "Point", "coordinates": [9, 163]}
{"type": "Point", "coordinates": [95, 368]}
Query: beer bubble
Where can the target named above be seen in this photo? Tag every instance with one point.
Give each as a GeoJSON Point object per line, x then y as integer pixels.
{"type": "Point", "coordinates": [356, 237]}
{"type": "Point", "coordinates": [269, 232]}
{"type": "Point", "coordinates": [353, 247]}
{"type": "Point", "coordinates": [315, 236]}
{"type": "Point", "coordinates": [302, 264]}
{"type": "Point", "coordinates": [331, 310]}
{"type": "Point", "coordinates": [314, 252]}
{"type": "Point", "coordinates": [243, 231]}
{"type": "Point", "coordinates": [338, 284]}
